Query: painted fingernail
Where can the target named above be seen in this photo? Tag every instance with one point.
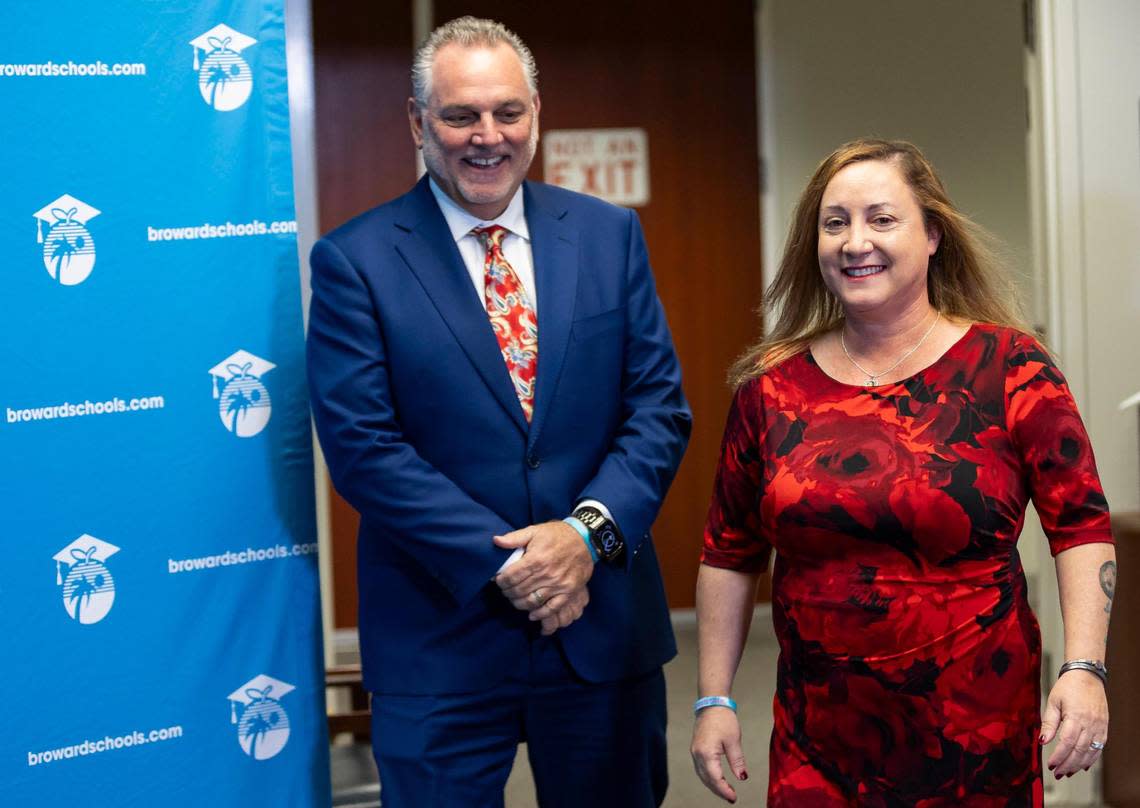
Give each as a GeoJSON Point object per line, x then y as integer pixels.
{"type": "Point", "coordinates": [743, 774]}
{"type": "Point", "coordinates": [1041, 739]}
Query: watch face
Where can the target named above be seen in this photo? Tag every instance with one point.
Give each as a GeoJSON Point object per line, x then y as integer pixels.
{"type": "Point", "coordinates": [604, 535]}
{"type": "Point", "coordinates": [609, 540]}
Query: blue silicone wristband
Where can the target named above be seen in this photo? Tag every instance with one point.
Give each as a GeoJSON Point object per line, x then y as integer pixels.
{"type": "Point", "coordinates": [713, 701]}
{"type": "Point", "coordinates": [584, 533]}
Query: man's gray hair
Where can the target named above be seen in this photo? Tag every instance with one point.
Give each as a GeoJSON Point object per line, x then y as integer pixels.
{"type": "Point", "coordinates": [468, 32]}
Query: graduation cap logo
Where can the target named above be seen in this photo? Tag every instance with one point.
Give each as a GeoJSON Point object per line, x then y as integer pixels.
{"type": "Point", "coordinates": [224, 78]}
{"type": "Point", "coordinates": [68, 249]}
{"type": "Point", "coordinates": [263, 725]}
{"type": "Point", "coordinates": [243, 401]}
{"type": "Point", "coordinates": [88, 588]}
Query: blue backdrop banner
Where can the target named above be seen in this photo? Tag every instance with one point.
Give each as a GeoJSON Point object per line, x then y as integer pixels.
{"type": "Point", "coordinates": [159, 600]}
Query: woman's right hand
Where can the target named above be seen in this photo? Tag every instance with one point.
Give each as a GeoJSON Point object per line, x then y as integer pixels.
{"type": "Point", "coordinates": [716, 733]}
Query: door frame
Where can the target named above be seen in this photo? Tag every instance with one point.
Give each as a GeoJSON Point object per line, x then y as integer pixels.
{"type": "Point", "coordinates": [1055, 201]}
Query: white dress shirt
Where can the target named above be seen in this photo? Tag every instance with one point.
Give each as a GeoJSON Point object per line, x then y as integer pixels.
{"type": "Point", "coordinates": [516, 249]}
{"type": "Point", "coordinates": [515, 244]}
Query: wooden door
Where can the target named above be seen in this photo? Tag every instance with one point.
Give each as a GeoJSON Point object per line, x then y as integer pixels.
{"type": "Point", "coordinates": [689, 80]}
{"type": "Point", "coordinates": [362, 54]}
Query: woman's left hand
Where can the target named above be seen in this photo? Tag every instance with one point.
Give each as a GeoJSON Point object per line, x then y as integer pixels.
{"type": "Point", "coordinates": [1077, 715]}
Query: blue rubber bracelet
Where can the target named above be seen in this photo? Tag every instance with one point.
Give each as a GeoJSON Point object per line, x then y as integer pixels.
{"type": "Point", "coordinates": [713, 701]}
{"type": "Point", "coordinates": [584, 533]}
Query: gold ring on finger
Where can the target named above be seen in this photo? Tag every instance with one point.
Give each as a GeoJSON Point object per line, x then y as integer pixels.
{"type": "Point", "coordinates": [537, 597]}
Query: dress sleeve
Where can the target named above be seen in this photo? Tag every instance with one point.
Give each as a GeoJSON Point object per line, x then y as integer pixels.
{"type": "Point", "coordinates": [1054, 450]}
{"type": "Point", "coordinates": [732, 537]}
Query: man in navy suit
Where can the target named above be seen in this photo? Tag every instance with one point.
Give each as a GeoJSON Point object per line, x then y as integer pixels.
{"type": "Point", "coordinates": [496, 392]}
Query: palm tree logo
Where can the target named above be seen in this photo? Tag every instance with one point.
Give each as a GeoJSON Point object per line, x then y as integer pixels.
{"type": "Point", "coordinates": [239, 401]}
{"type": "Point", "coordinates": [64, 247]}
{"type": "Point", "coordinates": [221, 69]}
{"type": "Point", "coordinates": [264, 727]}
{"type": "Point", "coordinates": [244, 405]}
{"type": "Point", "coordinates": [263, 719]}
{"type": "Point", "coordinates": [88, 590]}
{"type": "Point", "coordinates": [82, 592]}
{"type": "Point", "coordinates": [243, 392]}
{"type": "Point", "coordinates": [68, 249]}
{"type": "Point", "coordinates": [224, 78]}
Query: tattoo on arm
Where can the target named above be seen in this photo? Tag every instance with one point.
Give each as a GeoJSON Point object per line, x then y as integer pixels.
{"type": "Point", "coordinates": [1108, 582]}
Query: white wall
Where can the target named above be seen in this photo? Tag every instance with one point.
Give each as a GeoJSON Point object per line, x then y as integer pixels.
{"type": "Point", "coordinates": [1103, 292]}
{"type": "Point", "coordinates": [1086, 175]}
{"type": "Point", "coordinates": [948, 76]}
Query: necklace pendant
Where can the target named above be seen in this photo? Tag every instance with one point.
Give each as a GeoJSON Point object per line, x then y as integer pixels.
{"type": "Point", "coordinates": [873, 378]}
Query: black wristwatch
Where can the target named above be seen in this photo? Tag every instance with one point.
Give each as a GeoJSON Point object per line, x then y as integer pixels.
{"type": "Point", "coordinates": [604, 534]}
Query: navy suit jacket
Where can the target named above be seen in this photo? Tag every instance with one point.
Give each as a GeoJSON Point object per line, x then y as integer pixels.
{"type": "Point", "coordinates": [424, 436]}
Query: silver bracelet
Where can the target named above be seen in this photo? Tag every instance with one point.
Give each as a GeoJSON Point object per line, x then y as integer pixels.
{"type": "Point", "coordinates": [1093, 666]}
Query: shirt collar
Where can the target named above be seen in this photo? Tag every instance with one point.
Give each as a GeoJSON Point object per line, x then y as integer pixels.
{"type": "Point", "coordinates": [460, 222]}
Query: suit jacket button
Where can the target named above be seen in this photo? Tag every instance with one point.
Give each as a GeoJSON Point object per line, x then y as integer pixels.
{"type": "Point", "coordinates": [533, 462]}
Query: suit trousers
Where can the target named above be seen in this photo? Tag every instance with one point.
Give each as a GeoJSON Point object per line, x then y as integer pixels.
{"type": "Point", "coordinates": [596, 745]}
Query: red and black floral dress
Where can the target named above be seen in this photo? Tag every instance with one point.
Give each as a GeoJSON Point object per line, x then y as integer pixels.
{"type": "Point", "coordinates": [909, 670]}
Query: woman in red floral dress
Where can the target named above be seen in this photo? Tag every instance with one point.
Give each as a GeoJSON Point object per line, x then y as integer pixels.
{"type": "Point", "coordinates": [885, 440]}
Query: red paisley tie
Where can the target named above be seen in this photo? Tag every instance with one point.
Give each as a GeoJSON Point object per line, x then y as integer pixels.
{"type": "Point", "coordinates": [512, 316]}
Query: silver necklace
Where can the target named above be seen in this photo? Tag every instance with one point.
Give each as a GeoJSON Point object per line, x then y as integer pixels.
{"type": "Point", "coordinates": [873, 378]}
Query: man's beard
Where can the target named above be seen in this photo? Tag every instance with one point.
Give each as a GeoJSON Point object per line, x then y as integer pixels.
{"type": "Point", "coordinates": [436, 165]}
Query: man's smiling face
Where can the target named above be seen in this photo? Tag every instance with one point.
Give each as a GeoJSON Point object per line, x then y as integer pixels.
{"type": "Point", "coordinates": [479, 129]}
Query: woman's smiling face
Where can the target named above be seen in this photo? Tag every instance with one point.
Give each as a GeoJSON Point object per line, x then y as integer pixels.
{"type": "Point", "coordinates": [874, 246]}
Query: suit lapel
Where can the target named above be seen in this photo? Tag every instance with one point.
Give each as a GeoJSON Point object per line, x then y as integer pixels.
{"type": "Point", "coordinates": [430, 252]}
{"type": "Point", "coordinates": [554, 245]}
